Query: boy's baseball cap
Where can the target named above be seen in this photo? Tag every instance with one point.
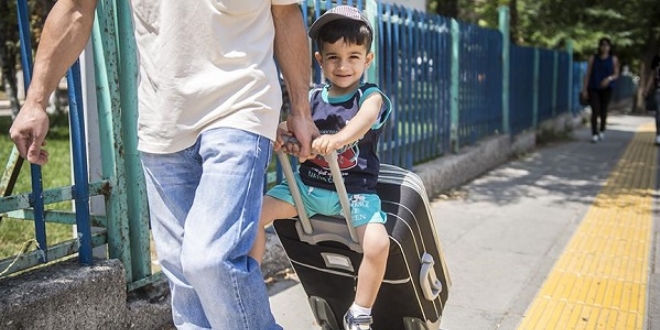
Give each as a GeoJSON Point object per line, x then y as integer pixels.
{"type": "Point", "coordinates": [336, 13]}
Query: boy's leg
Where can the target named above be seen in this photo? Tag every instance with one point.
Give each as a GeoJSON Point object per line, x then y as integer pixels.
{"type": "Point", "coordinates": [375, 246]}
{"type": "Point", "coordinates": [271, 210]}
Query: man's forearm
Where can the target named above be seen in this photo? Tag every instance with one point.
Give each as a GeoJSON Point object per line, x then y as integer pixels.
{"type": "Point", "coordinates": [293, 55]}
{"type": "Point", "coordinates": [65, 35]}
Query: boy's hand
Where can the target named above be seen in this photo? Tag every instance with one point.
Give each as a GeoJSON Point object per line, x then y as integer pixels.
{"type": "Point", "coordinates": [326, 144]}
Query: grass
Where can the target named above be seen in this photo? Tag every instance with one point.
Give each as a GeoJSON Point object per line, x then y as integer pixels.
{"type": "Point", "coordinates": [57, 173]}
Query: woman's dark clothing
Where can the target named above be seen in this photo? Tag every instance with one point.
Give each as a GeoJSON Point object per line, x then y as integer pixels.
{"type": "Point", "coordinates": [601, 68]}
{"type": "Point", "coordinates": [599, 97]}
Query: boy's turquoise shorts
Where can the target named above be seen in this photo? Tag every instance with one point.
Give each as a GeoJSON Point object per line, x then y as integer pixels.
{"type": "Point", "coordinates": [365, 208]}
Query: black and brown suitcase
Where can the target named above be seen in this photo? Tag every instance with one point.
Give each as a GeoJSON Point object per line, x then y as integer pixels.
{"type": "Point", "coordinates": [325, 254]}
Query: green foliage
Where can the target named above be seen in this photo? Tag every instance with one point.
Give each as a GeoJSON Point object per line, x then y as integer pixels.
{"type": "Point", "coordinates": [632, 25]}
{"type": "Point", "coordinates": [57, 173]}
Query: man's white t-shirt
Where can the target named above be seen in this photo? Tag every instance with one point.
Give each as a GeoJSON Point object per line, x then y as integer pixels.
{"type": "Point", "coordinates": [204, 64]}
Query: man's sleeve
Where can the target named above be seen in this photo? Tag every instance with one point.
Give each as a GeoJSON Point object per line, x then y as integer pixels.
{"type": "Point", "coordinates": [284, 2]}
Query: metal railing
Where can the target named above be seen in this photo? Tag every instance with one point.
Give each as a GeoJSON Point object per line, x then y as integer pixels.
{"type": "Point", "coordinates": [451, 84]}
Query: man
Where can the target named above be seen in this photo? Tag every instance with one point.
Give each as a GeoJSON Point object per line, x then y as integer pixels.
{"type": "Point", "coordinates": [650, 90]}
{"type": "Point", "coordinates": [209, 103]}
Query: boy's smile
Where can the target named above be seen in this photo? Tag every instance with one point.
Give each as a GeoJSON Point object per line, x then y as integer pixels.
{"type": "Point", "coordinates": [343, 65]}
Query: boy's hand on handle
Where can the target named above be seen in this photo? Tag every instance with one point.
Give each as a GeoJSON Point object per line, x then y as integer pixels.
{"type": "Point", "coordinates": [326, 144]}
{"type": "Point", "coordinates": [29, 133]}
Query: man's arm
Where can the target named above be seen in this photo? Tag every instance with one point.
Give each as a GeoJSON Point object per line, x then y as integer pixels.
{"type": "Point", "coordinates": [655, 70]}
{"type": "Point", "coordinates": [294, 59]}
{"type": "Point", "coordinates": [65, 35]}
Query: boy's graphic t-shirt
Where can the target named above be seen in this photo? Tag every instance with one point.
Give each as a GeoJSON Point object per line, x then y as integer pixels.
{"type": "Point", "coordinates": [359, 161]}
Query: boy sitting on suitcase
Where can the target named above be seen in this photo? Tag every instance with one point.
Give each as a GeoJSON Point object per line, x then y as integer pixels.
{"type": "Point", "coordinates": [349, 116]}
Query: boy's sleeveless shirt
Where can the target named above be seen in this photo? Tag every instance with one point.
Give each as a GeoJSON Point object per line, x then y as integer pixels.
{"type": "Point", "coordinates": [358, 162]}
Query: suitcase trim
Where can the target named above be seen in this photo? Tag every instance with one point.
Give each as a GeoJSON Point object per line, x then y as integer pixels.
{"type": "Point", "coordinates": [323, 270]}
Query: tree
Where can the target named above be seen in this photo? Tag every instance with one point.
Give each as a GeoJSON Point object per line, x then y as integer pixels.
{"type": "Point", "coordinates": [9, 40]}
{"type": "Point", "coordinates": [446, 8]}
{"type": "Point", "coordinates": [633, 26]}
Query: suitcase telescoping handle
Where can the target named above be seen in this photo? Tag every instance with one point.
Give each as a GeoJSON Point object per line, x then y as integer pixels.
{"type": "Point", "coordinates": [331, 159]}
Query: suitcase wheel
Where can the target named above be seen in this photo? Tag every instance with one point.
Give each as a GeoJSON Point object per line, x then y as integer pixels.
{"type": "Point", "coordinates": [323, 313]}
{"type": "Point", "coordinates": [413, 323]}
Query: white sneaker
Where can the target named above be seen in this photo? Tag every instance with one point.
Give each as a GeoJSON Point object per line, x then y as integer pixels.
{"type": "Point", "coordinates": [601, 136]}
{"type": "Point", "coordinates": [594, 138]}
{"type": "Point", "coordinates": [657, 139]}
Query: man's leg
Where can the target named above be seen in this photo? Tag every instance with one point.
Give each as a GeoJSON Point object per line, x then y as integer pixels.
{"type": "Point", "coordinates": [220, 230]}
{"type": "Point", "coordinates": [171, 181]}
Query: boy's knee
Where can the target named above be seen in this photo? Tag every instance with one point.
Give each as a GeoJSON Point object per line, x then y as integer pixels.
{"type": "Point", "coordinates": [376, 246]}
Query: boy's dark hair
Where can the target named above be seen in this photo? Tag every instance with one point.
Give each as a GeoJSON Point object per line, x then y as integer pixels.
{"type": "Point", "coordinates": [353, 32]}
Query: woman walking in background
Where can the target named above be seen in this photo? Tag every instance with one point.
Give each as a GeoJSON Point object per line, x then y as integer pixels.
{"type": "Point", "coordinates": [602, 71]}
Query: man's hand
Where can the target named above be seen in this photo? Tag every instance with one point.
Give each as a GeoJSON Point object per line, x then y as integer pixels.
{"type": "Point", "coordinates": [286, 141]}
{"type": "Point", "coordinates": [305, 131]}
{"type": "Point", "coordinates": [29, 133]}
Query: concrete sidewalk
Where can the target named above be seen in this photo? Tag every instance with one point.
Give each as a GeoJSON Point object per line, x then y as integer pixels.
{"type": "Point", "coordinates": [503, 232]}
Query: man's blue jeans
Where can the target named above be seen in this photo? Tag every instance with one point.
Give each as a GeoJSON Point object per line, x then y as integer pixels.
{"type": "Point", "coordinates": [205, 203]}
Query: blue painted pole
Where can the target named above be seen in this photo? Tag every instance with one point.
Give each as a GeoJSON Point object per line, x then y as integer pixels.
{"type": "Point", "coordinates": [79, 150]}
{"type": "Point", "coordinates": [35, 170]}
{"type": "Point", "coordinates": [454, 91]}
{"type": "Point", "coordinates": [506, 36]}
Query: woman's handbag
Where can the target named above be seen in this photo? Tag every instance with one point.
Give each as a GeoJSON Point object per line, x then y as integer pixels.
{"type": "Point", "coordinates": [584, 101]}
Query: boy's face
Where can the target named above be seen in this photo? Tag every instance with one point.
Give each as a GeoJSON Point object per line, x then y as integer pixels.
{"type": "Point", "coordinates": [343, 64]}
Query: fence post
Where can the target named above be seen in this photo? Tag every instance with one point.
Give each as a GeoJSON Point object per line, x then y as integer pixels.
{"type": "Point", "coordinates": [372, 13]}
{"type": "Point", "coordinates": [104, 41]}
{"type": "Point", "coordinates": [138, 211]}
{"type": "Point", "coordinates": [535, 108]}
{"type": "Point", "coordinates": [506, 42]}
{"type": "Point", "coordinates": [569, 50]}
{"type": "Point", "coordinates": [455, 51]}
{"type": "Point", "coordinates": [555, 74]}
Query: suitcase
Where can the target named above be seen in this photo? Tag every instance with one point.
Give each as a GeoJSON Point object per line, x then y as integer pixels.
{"type": "Point", "coordinates": [325, 254]}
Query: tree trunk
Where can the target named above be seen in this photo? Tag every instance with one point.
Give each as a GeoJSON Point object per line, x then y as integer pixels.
{"type": "Point", "coordinates": [513, 24]}
{"type": "Point", "coordinates": [8, 53]}
{"type": "Point", "coordinates": [447, 8]}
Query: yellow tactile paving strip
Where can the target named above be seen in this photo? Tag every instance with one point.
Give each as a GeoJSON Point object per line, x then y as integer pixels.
{"type": "Point", "coordinates": [600, 280]}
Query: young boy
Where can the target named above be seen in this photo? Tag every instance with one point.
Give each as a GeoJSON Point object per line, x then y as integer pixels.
{"type": "Point", "coordinates": [349, 116]}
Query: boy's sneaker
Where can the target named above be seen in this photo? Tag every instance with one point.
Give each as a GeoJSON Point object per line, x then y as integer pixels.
{"type": "Point", "coordinates": [361, 322]}
{"type": "Point", "coordinates": [594, 138]}
{"type": "Point", "coordinates": [601, 136]}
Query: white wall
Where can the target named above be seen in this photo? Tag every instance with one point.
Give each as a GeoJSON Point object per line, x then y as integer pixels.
{"type": "Point", "coordinates": [414, 4]}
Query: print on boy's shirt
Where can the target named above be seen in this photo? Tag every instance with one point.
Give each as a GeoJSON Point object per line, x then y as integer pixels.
{"type": "Point", "coordinates": [347, 157]}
